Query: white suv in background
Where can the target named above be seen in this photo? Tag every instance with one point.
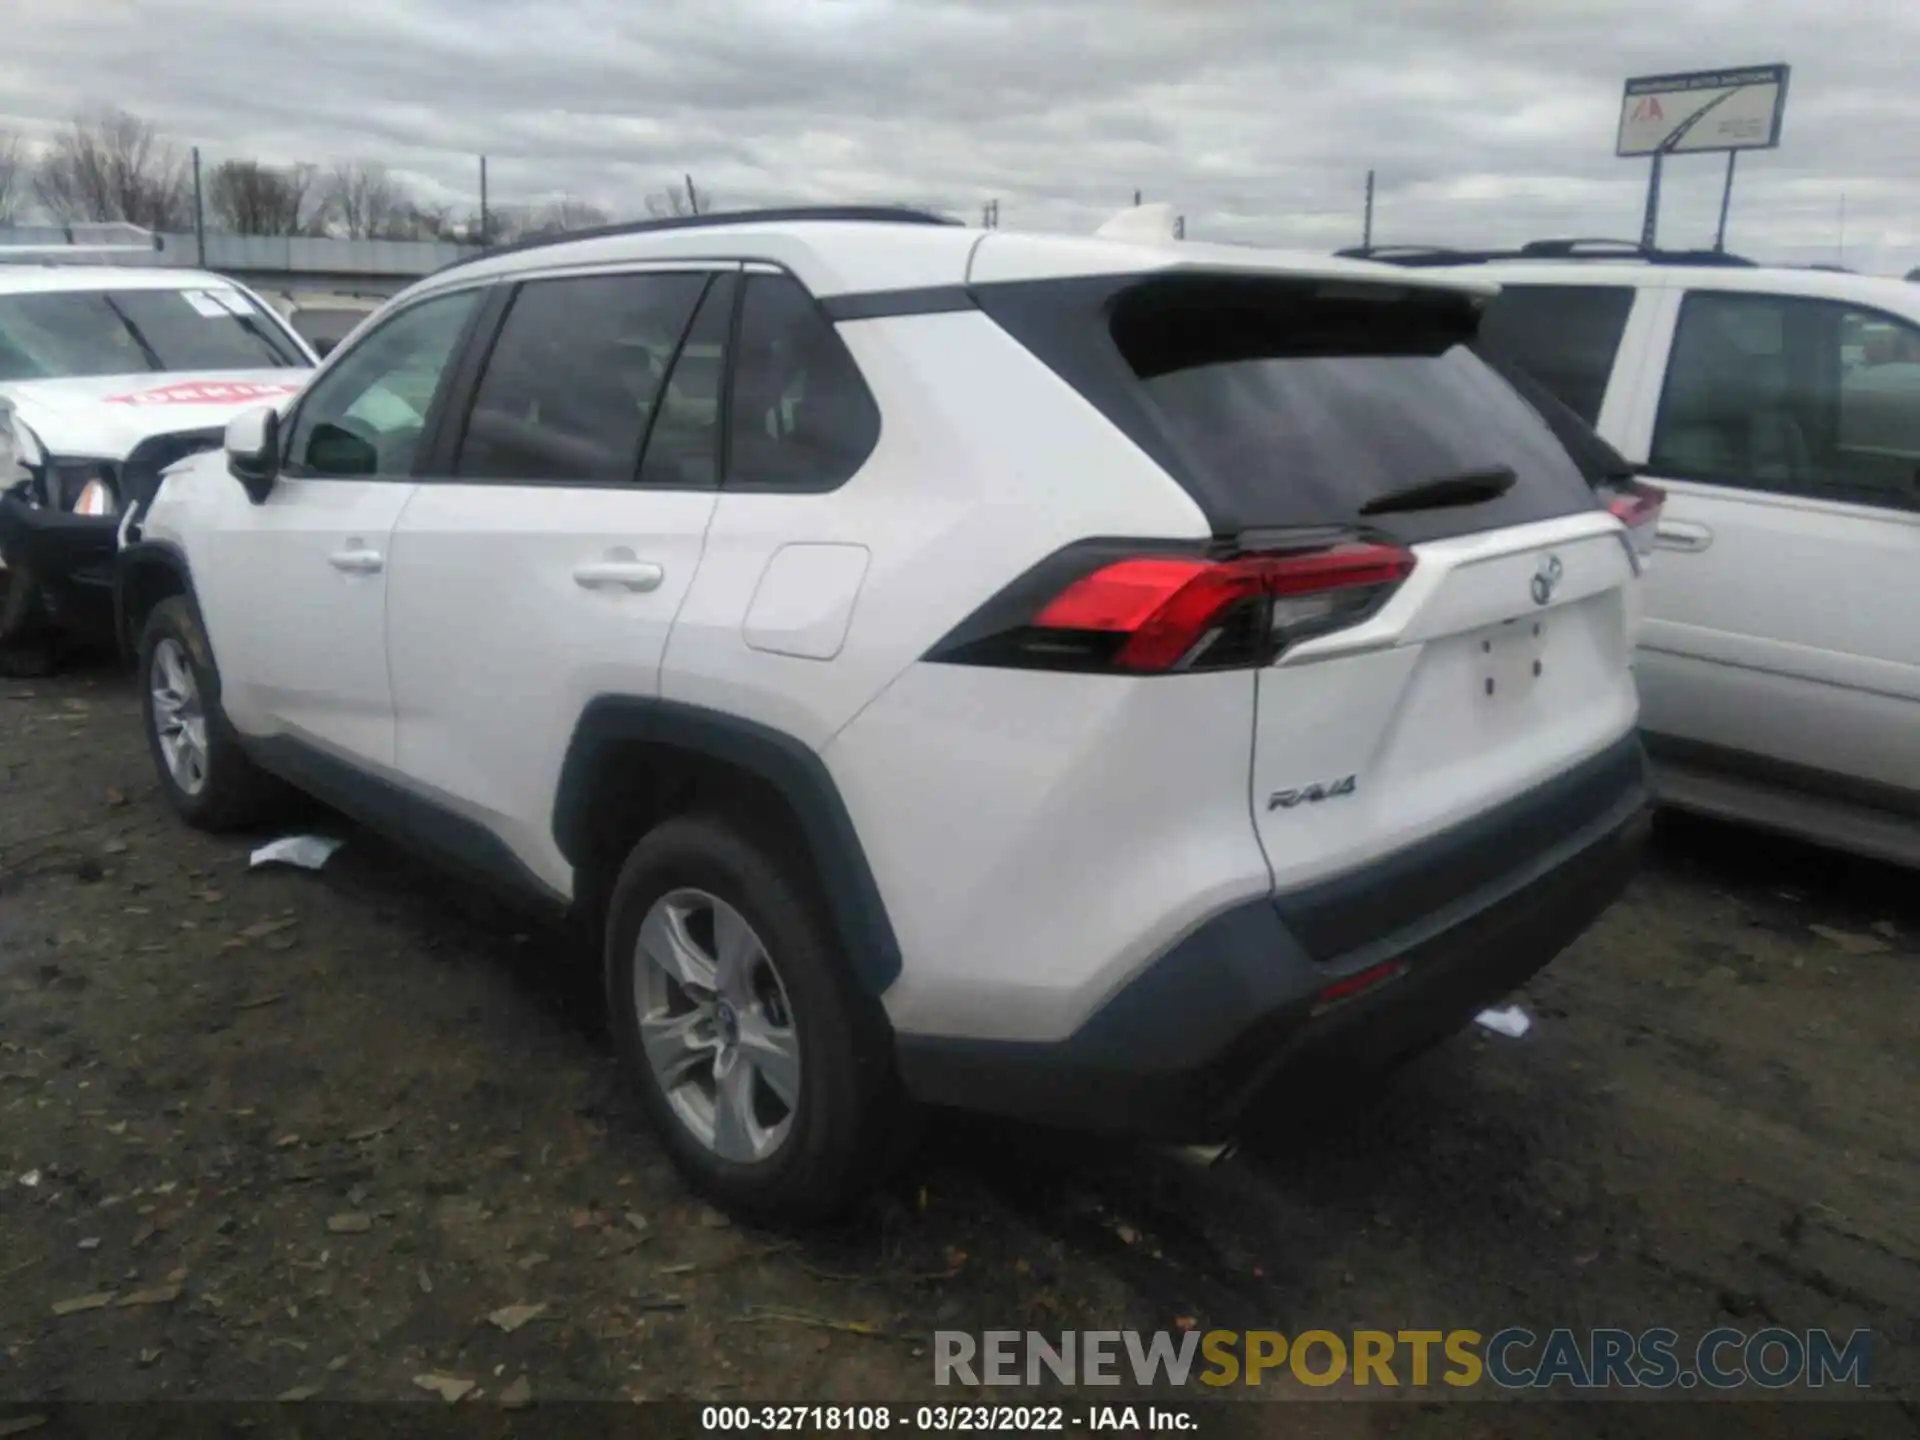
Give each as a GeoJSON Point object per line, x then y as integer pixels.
{"type": "Point", "coordinates": [1779, 409]}
{"type": "Point", "coordinates": [1057, 676]}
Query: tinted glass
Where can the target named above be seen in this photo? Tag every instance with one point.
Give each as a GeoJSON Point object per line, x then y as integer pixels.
{"type": "Point", "coordinates": [683, 447]}
{"type": "Point", "coordinates": [1803, 397]}
{"type": "Point", "coordinates": [802, 418]}
{"type": "Point", "coordinates": [1305, 405]}
{"type": "Point", "coordinates": [366, 416]}
{"type": "Point", "coordinates": [573, 377]}
{"type": "Point", "coordinates": [1565, 336]}
{"type": "Point", "coordinates": [125, 332]}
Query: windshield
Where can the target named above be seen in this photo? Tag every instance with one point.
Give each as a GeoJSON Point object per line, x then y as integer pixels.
{"type": "Point", "coordinates": [67, 333]}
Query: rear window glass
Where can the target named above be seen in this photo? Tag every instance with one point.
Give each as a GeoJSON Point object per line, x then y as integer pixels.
{"type": "Point", "coordinates": [1303, 403]}
{"type": "Point", "coordinates": [1565, 336]}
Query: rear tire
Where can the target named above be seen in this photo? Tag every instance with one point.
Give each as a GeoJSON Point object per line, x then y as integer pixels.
{"type": "Point", "coordinates": [817, 1117]}
{"type": "Point", "coordinates": [203, 771]}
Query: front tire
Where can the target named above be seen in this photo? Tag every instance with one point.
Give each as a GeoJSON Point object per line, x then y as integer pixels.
{"type": "Point", "coordinates": [766, 1074]}
{"type": "Point", "coordinates": [203, 772]}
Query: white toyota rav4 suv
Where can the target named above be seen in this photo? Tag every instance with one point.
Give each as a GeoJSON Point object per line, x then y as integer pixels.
{"type": "Point", "coordinates": [1779, 409]}
{"type": "Point", "coordinates": [1058, 676]}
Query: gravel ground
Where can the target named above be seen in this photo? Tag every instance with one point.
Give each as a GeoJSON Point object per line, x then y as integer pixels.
{"type": "Point", "coordinates": [270, 1133]}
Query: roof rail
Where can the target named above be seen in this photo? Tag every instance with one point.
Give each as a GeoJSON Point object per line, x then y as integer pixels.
{"type": "Point", "coordinates": [870, 214]}
{"type": "Point", "coordinates": [1570, 249]}
{"type": "Point", "coordinates": [1401, 254]}
{"type": "Point", "coordinates": [71, 248]}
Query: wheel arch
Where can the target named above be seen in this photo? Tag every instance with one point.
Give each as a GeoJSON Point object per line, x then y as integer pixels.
{"type": "Point", "coordinates": [145, 573]}
{"type": "Point", "coordinates": [633, 761]}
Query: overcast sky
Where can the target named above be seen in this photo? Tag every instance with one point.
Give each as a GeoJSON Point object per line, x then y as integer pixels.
{"type": "Point", "coordinates": [1487, 121]}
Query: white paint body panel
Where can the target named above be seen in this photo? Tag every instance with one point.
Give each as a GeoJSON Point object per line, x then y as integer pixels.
{"type": "Point", "coordinates": [301, 642]}
{"type": "Point", "coordinates": [496, 646]}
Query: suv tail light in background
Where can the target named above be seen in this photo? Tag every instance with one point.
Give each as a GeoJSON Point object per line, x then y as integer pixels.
{"type": "Point", "coordinates": [1089, 609]}
{"type": "Point", "coordinates": [1637, 506]}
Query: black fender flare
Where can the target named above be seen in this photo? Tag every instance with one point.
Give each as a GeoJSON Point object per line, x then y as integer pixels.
{"type": "Point", "coordinates": [138, 559]}
{"type": "Point", "coordinates": [792, 768]}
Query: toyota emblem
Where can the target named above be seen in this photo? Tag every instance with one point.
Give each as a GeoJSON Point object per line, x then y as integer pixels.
{"type": "Point", "coordinates": [1547, 579]}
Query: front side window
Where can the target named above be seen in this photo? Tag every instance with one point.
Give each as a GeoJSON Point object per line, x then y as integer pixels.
{"type": "Point", "coordinates": [1793, 395]}
{"type": "Point", "coordinates": [575, 373]}
{"type": "Point", "coordinates": [1565, 336]}
{"type": "Point", "coordinates": [367, 415]}
{"type": "Point", "coordinates": [801, 419]}
{"type": "Point", "coordinates": [62, 334]}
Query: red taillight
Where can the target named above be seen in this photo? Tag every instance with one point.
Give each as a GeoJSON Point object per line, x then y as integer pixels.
{"type": "Point", "coordinates": [1637, 505]}
{"type": "Point", "coordinates": [1151, 614]}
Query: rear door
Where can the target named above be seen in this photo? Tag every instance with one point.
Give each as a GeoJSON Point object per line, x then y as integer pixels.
{"type": "Point", "coordinates": [542, 560]}
{"type": "Point", "coordinates": [1780, 608]}
{"type": "Point", "coordinates": [1480, 648]}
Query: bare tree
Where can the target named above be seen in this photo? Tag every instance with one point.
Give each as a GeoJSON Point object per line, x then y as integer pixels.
{"type": "Point", "coordinates": [13, 178]}
{"type": "Point", "coordinates": [365, 202]}
{"type": "Point", "coordinates": [679, 198]}
{"type": "Point", "coordinates": [114, 166]}
{"type": "Point", "coordinates": [248, 198]}
{"type": "Point", "coordinates": [416, 220]}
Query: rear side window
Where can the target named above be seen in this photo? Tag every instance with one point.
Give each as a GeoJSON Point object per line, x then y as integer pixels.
{"type": "Point", "coordinates": [1565, 336]}
{"type": "Point", "coordinates": [801, 417]}
{"type": "Point", "coordinates": [683, 447]}
{"type": "Point", "coordinates": [1301, 404]}
{"type": "Point", "coordinates": [575, 372]}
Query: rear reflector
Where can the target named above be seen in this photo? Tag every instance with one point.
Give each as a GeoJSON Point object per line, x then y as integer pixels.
{"type": "Point", "coordinates": [1159, 614]}
{"type": "Point", "coordinates": [1358, 983]}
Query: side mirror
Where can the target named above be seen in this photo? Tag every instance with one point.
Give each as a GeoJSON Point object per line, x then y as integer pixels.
{"type": "Point", "coordinates": [324, 348]}
{"type": "Point", "coordinates": [253, 451]}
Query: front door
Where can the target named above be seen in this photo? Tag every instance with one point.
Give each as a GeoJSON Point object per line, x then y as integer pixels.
{"type": "Point", "coordinates": [296, 600]}
{"type": "Point", "coordinates": [1780, 607]}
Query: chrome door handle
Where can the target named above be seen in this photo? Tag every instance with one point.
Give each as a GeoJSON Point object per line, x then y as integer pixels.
{"type": "Point", "coordinates": [1681, 535]}
{"type": "Point", "coordinates": [357, 562]}
{"type": "Point", "coordinates": [637, 576]}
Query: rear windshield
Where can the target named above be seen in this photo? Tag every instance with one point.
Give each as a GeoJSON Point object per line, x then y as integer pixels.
{"type": "Point", "coordinates": [1296, 404]}
{"type": "Point", "coordinates": [63, 334]}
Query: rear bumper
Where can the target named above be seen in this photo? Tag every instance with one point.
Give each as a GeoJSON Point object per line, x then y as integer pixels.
{"type": "Point", "coordinates": [1181, 1050]}
{"type": "Point", "coordinates": [69, 559]}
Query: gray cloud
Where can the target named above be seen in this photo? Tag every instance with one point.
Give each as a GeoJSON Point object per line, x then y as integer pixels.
{"type": "Point", "coordinates": [1487, 121]}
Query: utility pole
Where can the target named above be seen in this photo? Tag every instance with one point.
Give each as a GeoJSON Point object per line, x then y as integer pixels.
{"type": "Point", "coordinates": [199, 214]}
{"type": "Point", "coordinates": [1726, 199]}
{"type": "Point", "coordinates": [693, 196]}
{"type": "Point", "coordinates": [1179, 227]}
{"type": "Point", "coordinates": [1366, 225]}
{"type": "Point", "coordinates": [486, 223]}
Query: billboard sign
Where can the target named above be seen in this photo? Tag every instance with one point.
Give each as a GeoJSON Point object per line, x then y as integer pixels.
{"type": "Point", "coordinates": [1703, 111]}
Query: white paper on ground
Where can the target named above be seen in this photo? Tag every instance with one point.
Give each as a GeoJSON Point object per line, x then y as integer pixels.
{"type": "Point", "coordinates": [309, 852]}
{"type": "Point", "coordinates": [1509, 1020]}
